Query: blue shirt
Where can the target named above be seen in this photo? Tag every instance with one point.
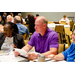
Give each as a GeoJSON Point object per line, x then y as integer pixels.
{"type": "Point", "coordinates": [22, 29]}
{"type": "Point", "coordinates": [69, 53]}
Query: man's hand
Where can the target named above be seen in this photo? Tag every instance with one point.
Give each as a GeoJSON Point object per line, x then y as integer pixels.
{"type": "Point", "coordinates": [14, 46]}
{"type": "Point", "coordinates": [32, 56]}
{"type": "Point", "coordinates": [16, 53]}
{"type": "Point", "coordinates": [52, 56]}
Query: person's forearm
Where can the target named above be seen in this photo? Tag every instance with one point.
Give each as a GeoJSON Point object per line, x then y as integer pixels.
{"type": "Point", "coordinates": [27, 48]}
{"type": "Point", "coordinates": [60, 56]}
{"type": "Point", "coordinates": [49, 52]}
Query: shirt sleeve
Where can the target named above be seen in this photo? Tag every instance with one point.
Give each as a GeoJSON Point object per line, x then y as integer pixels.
{"type": "Point", "coordinates": [27, 31]}
{"type": "Point", "coordinates": [65, 53]}
{"type": "Point", "coordinates": [54, 41]}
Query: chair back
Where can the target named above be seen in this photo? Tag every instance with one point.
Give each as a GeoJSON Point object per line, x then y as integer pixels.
{"type": "Point", "coordinates": [61, 48]}
{"type": "Point", "coordinates": [27, 26]}
{"type": "Point", "coordinates": [59, 28]}
{"type": "Point", "coordinates": [68, 40]}
{"type": "Point", "coordinates": [26, 41]}
{"type": "Point", "coordinates": [60, 40]}
{"type": "Point", "coordinates": [71, 25]}
{"type": "Point", "coordinates": [50, 22]}
{"type": "Point", "coordinates": [63, 22]}
{"type": "Point", "coordinates": [67, 31]}
{"type": "Point", "coordinates": [24, 36]}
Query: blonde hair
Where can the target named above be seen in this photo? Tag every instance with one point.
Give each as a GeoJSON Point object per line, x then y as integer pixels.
{"type": "Point", "coordinates": [10, 17]}
{"type": "Point", "coordinates": [19, 14]}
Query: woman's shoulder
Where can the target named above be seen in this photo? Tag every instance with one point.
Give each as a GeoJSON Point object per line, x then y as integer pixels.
{"type": "Point", "coordinates": [19, 36]}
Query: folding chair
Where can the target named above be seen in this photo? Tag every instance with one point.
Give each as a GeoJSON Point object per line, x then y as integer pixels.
{"type": "Point", "coordinates": [60, 39]}
{"type": "Point", "coordinates": [68, 41]}
{"type": "Point", "coordinates": [71, 25]}
{"type": "Point", "coordinates": [60, 28]}
{"type": "Point", "coordinates": [50, 22]}
{"type": "Point", "coordinates": [63, 22]}
{"type": "Point", "coordinates": [61, 48]}
{"type": "Point", "coordinates": [68, 32]}
{"type": "Point", "coordinates": [26, 41]}
{"type": "Point", "coordinates": [24, 36]}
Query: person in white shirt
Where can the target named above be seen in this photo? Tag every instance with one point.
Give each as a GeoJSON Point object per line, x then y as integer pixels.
{"type": "Point", "coordinates": [65, 19]}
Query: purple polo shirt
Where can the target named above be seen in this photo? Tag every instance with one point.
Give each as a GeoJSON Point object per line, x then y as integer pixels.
{"type": "Point", "coordinates": [44, 43]}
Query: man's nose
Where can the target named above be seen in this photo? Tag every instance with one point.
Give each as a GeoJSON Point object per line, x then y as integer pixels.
{"type": "Point", "coordinates": [34, 27]}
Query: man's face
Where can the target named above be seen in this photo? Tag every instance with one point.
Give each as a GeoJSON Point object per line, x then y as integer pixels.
{"type": "Point", "coordinates": [39, 25]}
{"type": "Point", "coordinates": [73, 36]}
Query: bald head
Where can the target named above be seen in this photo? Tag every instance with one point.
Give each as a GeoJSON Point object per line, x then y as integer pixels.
{"type": "Point", "coordinates": [43, 19]}
{"type": "Point", "coordinates": [17, 19]}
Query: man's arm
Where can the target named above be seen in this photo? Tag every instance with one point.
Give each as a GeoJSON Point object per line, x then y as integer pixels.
{"type": "Point", "coordinates": [35, 56]}
{"type": "Point", "coordinates": [26, 48]}
{"type": "Point", "coordinates": [60, 56]}
{"type": "Point", "coordinates": [51, 51]}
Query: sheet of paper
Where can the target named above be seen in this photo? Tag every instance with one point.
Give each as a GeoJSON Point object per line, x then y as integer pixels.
{"type": "Point", "coordinates": [10, 57]}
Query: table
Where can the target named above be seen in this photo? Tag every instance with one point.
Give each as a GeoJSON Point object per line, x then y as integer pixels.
{"type": "Point", "coordinates": [52, 26]}
{"type": "Point", "coordinates": [50, 60]}
{"type": "Point", "coordinates": [12, 58]}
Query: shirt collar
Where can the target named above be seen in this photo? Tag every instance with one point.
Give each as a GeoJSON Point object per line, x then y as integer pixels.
{"type": "Point", "coordinates": [73, 45]}
{"type": "Point", "coordinates": [18, 24]}
{"type": "Point", "coordinates": [46, 33]}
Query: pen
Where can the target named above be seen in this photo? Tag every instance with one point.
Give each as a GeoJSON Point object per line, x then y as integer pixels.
{"type": "Point", "coordinates": [24, 56]}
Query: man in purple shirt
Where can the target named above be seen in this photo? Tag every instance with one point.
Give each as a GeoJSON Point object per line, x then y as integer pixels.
{"type": "Point", "coordinates": [46, 41]}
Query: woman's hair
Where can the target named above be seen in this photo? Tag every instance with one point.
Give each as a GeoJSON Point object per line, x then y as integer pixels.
{"type": "Point", "coordinates": [31, 18]}
{"type": "Point", "coordinates": [13, 26]}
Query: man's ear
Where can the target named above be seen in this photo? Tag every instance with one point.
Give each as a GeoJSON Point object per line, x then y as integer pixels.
{"type": "Point", "coordinates": [45, 25]}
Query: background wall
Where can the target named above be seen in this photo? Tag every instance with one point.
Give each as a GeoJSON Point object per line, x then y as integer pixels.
{"type": "Point", "coordinates": [51, 16]}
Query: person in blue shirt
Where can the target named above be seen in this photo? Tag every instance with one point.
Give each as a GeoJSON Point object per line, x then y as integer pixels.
{"type": "Point", "coordinates": [22, 28]}
{"type": "Point", "coordinates": [68, 54]}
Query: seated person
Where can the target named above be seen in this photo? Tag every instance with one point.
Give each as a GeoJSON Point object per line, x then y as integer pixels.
{"type": "Point", "coordinates": [9, 18]}
{"type": "Point", "coordinates": [22, 28]}
{"type": "Point", "coordinates": [4, 17]}
{"type": "Point", "coordinates": [36, 16]}
{"type": "Point", "coordinates": [1, 21]}
{"type": "Point", "coordinates": [31, 24]}
{"type": "Point", "coordinates": [68, 54]}
{"type": "Point", "coordinates": [46, 41]}
{"type": "Point", "coordinates": [10, 31]}
{"type": "Point", "coordinates": [19, 14]}
{"type": "Point", "coordinates": [64, 19]}
{"type": "Point", "coordinates": [27, 18]}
